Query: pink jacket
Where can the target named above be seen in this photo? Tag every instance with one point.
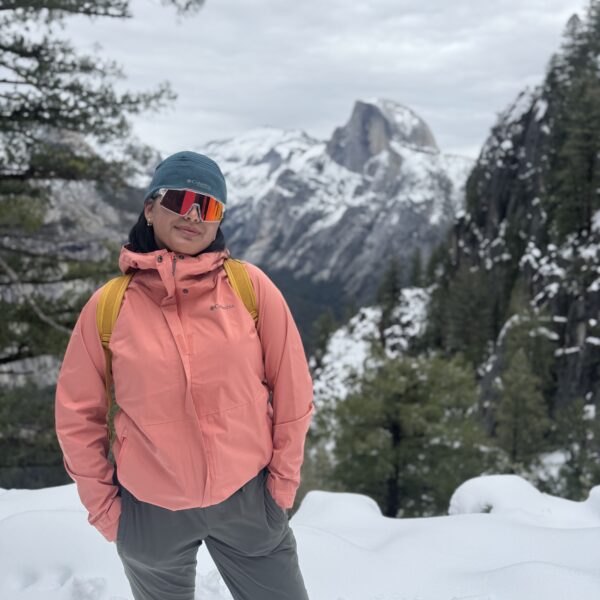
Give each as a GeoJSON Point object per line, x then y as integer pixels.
{"type": "Point", "coordinates": [192, 377]}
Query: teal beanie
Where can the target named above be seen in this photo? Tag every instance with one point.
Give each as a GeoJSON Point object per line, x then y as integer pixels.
{"type": "Point", "coordinates": [191, 171]}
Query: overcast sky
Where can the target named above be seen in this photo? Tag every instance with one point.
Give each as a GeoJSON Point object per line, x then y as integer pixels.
{"type": "Point", "coordinates": [241, 64]}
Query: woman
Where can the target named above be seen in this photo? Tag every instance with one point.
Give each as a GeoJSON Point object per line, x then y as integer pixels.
{"type": "Point", "coordinates": [201, 451]}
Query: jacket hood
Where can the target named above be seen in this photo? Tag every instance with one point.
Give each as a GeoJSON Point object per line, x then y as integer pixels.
{"type": "Point", "coordinates": [186, 264]}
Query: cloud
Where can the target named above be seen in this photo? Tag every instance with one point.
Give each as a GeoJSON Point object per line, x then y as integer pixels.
{"type": "Point", "coordinates": [238, 64]}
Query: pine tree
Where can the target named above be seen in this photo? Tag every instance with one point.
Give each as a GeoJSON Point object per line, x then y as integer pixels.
{"type": "Point", "coordinates": [323, 327]}
{"type": "Point", "coordinates": [408, 436]}
{"type": "Point", "coordinates": [576, 178]}
{"type": "Point", "coordinates": [578, 434]}
{"type": "Point", "coordinates": [388, 295]}
{"type": "Point", "coordinates": [592, 28]}
{"type": "Point", "coordinates": [463, 313]}
{"type": "Point", "coordinates": [435, 263]}
{"type": "Point", "coordinates": [439, 272]}
{"type": "Point", "coordinates": [416, 272]}
{"type": "Point", "coordinates": [573, 46]}
{"type": "Point", "coordinates": [27, 438]}
{"type": "Point", "coordinates": [55, 107]}
{"type": "Point", "coordinates": [61, 121]}
{"type": "Point", "coordinates": [521, 415]}
{"type": "Point", "coordinates": [349, 309]}
{"type": "Point", "coordinates": [573, 80]}
{"type": "Point", "coordinates": [532, 329]}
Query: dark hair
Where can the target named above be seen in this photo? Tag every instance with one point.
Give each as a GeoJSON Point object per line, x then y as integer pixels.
{"type": "Point", "coordinates": [141, 238]}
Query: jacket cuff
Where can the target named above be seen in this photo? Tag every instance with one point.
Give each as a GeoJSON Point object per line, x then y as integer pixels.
{"type": "Point", "coordinates": [108, 524]}
{"type": "Point", "coordinates": [283, 491]}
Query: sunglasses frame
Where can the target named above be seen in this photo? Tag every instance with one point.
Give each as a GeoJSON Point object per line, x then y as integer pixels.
{"type": "Point", "coordinates": [162, 191]}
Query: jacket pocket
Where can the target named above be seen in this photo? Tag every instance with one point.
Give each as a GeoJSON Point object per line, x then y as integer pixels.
{"type": "Point", "coordinates": [122, 451]}
{"type": "Point", "coordinates": [274, 506]}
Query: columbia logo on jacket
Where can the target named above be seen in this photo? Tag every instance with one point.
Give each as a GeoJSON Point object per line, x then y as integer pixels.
{"type": "Point", "coordinates": [215, 306]}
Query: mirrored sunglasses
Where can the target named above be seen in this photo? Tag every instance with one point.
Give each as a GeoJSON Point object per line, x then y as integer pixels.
{"type": "Point", "coordinates": [180, 202]}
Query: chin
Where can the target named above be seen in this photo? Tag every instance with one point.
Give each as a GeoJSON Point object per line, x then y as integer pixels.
{"type": "Point", "coordinates": [189, 248]}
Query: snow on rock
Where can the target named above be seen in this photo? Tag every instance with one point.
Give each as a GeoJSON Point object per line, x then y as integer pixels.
{"type": "Point", "coordinates": [410, 319]}
{"type": "Point", "coordinates": [252, 161]}
{"type": "Point", "coordinates": [348, 347]}
{"type": "Point", "coordinates": [406, 124]}
{"type": "Point", "coordinates": [596, 221]}
{"type": "Point", "coordinates": [347, 350]}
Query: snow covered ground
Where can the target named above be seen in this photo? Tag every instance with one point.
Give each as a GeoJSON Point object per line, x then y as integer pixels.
{"type": "Point", "coordinates": [502, 540]}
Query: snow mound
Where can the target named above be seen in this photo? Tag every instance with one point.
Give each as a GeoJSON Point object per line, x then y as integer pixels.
{"type": "Point", "coordinates": [513, 497]}
{"type": "Point", "coordinates": [347, 549]}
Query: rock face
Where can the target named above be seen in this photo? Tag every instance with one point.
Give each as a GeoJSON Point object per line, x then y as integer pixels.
{"type": "Point", "coordinates": [506, 233]}
{"type": "Point", "coordinates": [372, 128]}
{"type": "Point", "coordinates": [323, 218]}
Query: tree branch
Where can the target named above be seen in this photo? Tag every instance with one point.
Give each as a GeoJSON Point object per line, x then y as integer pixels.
{"type": "Point", "coordinates": [18, 288]}
{"type": "Point", "coordinates": [90, 8]}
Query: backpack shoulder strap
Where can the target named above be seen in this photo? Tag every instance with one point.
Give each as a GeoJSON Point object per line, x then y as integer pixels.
{"type": "Point", "coordinates": [109, 305]}
{"type": "Point", "coordinates": [242, 285]}
{"type": "Point", "coordinates": [107, 311]}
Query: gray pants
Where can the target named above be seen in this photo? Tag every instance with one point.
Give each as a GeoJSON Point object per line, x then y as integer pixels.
{"type": "Point", "coordinates": [247, 535]}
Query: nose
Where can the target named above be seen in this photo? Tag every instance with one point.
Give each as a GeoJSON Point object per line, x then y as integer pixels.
{"type": "Point", "coordinates": [193, 215]}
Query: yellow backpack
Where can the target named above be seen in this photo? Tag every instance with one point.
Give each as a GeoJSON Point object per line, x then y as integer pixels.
{"type": "Point", "coordinates": [111, 297]}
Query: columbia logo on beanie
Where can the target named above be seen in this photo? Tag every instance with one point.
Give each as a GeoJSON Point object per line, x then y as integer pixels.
{"type": "Point", "coordinates": [197, 182]}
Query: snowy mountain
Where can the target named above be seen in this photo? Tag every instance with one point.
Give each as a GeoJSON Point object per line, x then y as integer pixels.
{"type": "Point", "coordinates": [322, 217]}
{"type": "Point", "coordinates": [326, 215]}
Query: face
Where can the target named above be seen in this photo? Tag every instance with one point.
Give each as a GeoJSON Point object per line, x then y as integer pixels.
{"type": "Point", "coordinates": [169, 229]}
